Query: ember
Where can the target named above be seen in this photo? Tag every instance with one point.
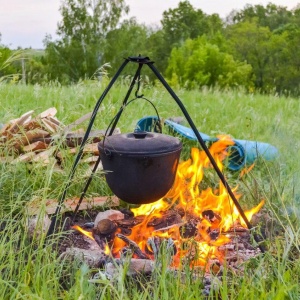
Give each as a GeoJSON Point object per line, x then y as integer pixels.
{"type": "Point", "coordinates": [196, 223]}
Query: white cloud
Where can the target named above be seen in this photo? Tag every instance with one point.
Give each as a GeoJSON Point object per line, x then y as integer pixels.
{"type": "Point", "coordinates": [26, 22]}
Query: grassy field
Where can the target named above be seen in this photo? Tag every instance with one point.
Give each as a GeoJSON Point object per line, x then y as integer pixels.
{"type": "Point", "coordinates": [31, 271]}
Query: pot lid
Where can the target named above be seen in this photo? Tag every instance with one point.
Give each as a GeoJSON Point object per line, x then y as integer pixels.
{"type": "Point", "coordinates": [140, 143]}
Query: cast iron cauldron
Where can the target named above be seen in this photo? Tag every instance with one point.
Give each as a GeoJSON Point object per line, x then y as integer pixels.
{"type": "Point", "coordinates": [141, 166]}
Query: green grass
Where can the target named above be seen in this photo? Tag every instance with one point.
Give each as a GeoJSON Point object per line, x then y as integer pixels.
{"type": "Point", "coordinates": [30, 271]}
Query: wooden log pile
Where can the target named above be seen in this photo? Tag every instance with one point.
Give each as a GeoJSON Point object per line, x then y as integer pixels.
{"type": "Point", "coordinates": [44, 139]}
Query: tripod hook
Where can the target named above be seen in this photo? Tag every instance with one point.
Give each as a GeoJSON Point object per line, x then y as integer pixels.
{"type": "Point", "coordinates": [138, 86]}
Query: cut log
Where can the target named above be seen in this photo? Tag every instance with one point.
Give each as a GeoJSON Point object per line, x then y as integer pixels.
{"type": "Point", "coordinates": [50, 112]}
{"type": "Point", "coordinates": [32, 124]}
{"type": "Point", "coordinates": [91, 148]}
{"type": "Point", "coordinates": [51, 127]}
{"type": "Point", "coordinates": [19, 122]}
{"type": "Point", "coordinates": [55, 121]}
{"type": "Point", "coordinates": [89, 160]}
{"type": "Point", "coordinates": [29, 137]}
{"type": "Point", "coordinates": [133, 245]}
{"type": "Point", "coordinates": [34, 206]}
{"type": "Point", "coordinates": [44, 157]}
{"type": "Point", "coordinates": [24, 158]}
{"type": "Point", "coordinates": [35, 147]}
{"type": "Point", "coordinates": [88, 149]}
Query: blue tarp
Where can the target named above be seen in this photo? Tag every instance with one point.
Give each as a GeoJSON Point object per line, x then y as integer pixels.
{"type": "Point", "coordinates": [241, 153]}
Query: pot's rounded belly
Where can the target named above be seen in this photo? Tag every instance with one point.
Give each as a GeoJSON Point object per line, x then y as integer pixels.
{"type": "Point", "coordinates": [140, 179]}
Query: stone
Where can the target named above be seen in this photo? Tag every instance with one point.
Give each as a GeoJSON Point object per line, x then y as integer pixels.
{"type": "Point", "coordinates": [135, 267]}
{"type": "Point", "coordinates": [91, 257]}
{"type": "Point", "coordinates": [110, 214]}
{"type": "Point", "coordinates": [38, 226]}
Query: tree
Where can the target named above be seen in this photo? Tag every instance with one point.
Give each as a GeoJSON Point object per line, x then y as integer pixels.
{"type": "Point", "coordinates": [130, 39]}
{"type": "Point", "coordinates": [199, 63]}
{"type": "Point", "coordinates": [271, 16]}
{"type": "Point", "coordinates": [182, 23]}
{"type": "Point", "coordinates": [84, 25]}
{"type": "Point", "coordinates": [249, 42]}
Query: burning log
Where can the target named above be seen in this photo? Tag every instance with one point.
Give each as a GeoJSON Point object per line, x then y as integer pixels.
{"type": "Point", "coordinates": [131, 222]}
{"type": "Point", "coordinates": [167, 218]}
{"type": "Point", "coordinates": [133, 245]}
{"type": "Point", "coordinates": [156, 244]}
{"type": "Point", "coordinates": [105, 227]}
{"type": "Point", "coordinates": [105, 231]}
{"type": "Point", "coordinates": [189, 229]}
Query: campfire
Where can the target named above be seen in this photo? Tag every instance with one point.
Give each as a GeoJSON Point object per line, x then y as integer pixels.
{"type": "Point", "coordinates": [197, 226]}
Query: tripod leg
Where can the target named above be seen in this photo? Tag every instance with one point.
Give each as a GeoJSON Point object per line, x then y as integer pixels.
{"type": "Point", "coordinates": [110, 133]}
{"type": "Point", "coordinates": [85, 138]}
{"type": "Point", "coordinates": [206, 150]}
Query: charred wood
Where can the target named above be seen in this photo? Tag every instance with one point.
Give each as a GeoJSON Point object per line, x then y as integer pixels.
{"type": "Point", "coordinates": [133, 245]}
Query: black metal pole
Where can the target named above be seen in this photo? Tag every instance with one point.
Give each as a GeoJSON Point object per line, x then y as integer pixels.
{"type": "Point", "coordinates": [84, 140]}
{"type": "Point", "coordinates": [137, 74]}
{"type": "Point", "coordinates": [206, 150]}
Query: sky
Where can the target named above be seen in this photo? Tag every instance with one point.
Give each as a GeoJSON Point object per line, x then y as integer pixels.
{"type": "Point", "coordinates": [25, 23]}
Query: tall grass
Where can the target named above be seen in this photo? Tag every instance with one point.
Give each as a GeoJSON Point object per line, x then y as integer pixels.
{"type": "Point", "coordinates": [31, 271]}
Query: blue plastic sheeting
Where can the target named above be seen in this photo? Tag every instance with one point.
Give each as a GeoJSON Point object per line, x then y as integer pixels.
{"type": "Point", "coordinates": [241, 153]}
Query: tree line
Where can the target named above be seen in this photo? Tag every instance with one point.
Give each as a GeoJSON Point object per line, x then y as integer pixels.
{"type": "Point", "coordinates": [257, 48]}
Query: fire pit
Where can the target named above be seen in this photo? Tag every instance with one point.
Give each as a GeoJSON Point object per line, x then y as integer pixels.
{"type": "Point", "coordinates": [199, 228]}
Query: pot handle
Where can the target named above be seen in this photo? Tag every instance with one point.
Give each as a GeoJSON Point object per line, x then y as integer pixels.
{"type": "Point", "coordinates": [108, 153]}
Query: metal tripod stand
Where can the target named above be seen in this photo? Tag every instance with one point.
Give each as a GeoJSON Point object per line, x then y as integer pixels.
{"type": "Point", "coordinates": [141, 61]}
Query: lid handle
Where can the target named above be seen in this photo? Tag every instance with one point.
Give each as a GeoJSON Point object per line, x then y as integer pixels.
{"type": "Point", "coordinates": [140, 134]}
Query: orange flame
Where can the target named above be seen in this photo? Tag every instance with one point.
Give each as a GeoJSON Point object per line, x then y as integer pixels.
{"type": "Point", "coordinates": [211, 206]}
{"type": "Point", "coordinates": [84, 232]}
{"type": "Point", "coordinates": [107, 250]}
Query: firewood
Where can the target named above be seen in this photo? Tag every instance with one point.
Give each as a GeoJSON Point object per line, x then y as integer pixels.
{"type": "Point", "coordinates": [89, 160]}
{"type": "Point", "coordinates": [55, 121]}
{"type": "Point", "coordinates": [88, 149]}
{"type": "Point", "coordinates": [91, 148]}
{"type": "Point", "coordinates": [14, 127]}
{"type": "Point", "coordinates": [50, 112]}
{"type": "Point", "coordinates": [106, 227]}
{"type": "Point", "coordinates": [133, 245]}
{"type": "Point", "coordinates": [3, 139]}
{"type": "Point", "coordinates": [24, 157]}
{"type": "Point", "coordinates": [36, 133]}
{"type": "Point", "coordinates": [5, 128]}
{"type": "Point", "coordinates": [32, 124]}
{"type": "Point", "coordinates": [105, 231]}
{"type": "Point", "coordinates": [51, 127]}
{"type": "Point", "coordinates": [35, 147]}
{"type": "Point", "coordinates": [29, 136]}
{"type": "Point", "coordinates": [44, 157]}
